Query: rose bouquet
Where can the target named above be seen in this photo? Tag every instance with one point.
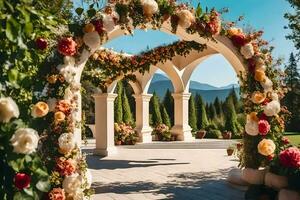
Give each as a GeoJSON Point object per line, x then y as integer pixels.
{"type": "Point", "coordinates": [125, 134]}
{"type": "Point", "coordinates": [162, 132]}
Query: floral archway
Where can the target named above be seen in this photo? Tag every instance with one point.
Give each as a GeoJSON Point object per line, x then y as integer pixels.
{"type": "Point", "coordinates": [57, 108]}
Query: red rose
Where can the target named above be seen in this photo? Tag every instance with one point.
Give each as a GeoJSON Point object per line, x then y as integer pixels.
{"type": "Point", "coordinates": [239, 40]}
{"type": "Point", "coordinates": [270, 157]}
{"type": "Point", "coordinates": [67, 46]}
{"type": "Point", "coordinates": [41, 43]}
{"type": "Point", "coordinates": [266, 101]}
{"type": "Point", "coordinates": [285, 140]}
{"type": "Point", "coordinates": [22, 181]}
{"type": "Point", "coordinates": [98, 26]}
{"type": "Point", "coordinates": [290, 157]}
{"type": "Point", "coordinates": [263, 127]}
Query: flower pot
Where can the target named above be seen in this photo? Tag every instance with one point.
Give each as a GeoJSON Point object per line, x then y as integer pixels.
{"type": "Point", "coordinates": [200, 134]}
{"type": "Point", "coordinates": [275, 181]}
{"type": "Point", "coordinates": [173, 138]}
{"type": "Point", "coordinates": [230, 152]}
{"type": "Point", "coordinates": [254, 176]}
{"type": "Point", "coordinates": [118, 142]}
{"type": "Point", "coordinates": [226, 135]}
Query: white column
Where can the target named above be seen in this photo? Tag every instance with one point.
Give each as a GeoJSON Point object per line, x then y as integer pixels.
{"type": "Point", "coordinates": [181, 126]}
{"type": "Point", "coordinates": [104, 121]}
{"type": "Point", "coordinates": [142, 117]}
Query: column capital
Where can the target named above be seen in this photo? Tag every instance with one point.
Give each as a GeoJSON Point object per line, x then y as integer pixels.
{"type": "Point", "coordinates": [145, 97]}
{"type": "Point", "coordinates": [107, 96]}
{"type": "Point", "coordinates": [181, 95]}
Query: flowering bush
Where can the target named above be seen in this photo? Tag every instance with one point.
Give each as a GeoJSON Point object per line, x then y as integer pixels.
{"type": "Point", "coordinates": [125, 134]}
{"type": "Point", "coordinates": [163, 133]}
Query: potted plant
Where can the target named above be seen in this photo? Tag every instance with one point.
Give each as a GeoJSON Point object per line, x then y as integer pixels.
{"type": "Point", "coordinates": [201, 134]}
{"type": "Point", "coordinates": [226, 135]}
{"type": "Point", "coordinates": [162, 132]}
{"type": "Point", "coordinates": [230, 150]}
{"type": "Point", "coordinates": [125, 134]}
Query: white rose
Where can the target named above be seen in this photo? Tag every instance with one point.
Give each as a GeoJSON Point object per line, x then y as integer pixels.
{"type": "Point", "coordinates": [92, 40]}
{"type": "Point", "coordinates": [69, 60]}
{"type": "Point", "coordinates": [259, 63]}
{"type": "Point", "coordinates": [150, 7]}
{"type": "Point", "coordinates": [66, 142]}
{"type": "Point", "coordinates": [251, 128]}
{"type": "Point", "coordinates": [272, 108]}
{"type": "Point", "coordinates": [274, 96]}
{"type": "Point", "coordinates": [186, 18]}
{"type": "Point", "coordinates": [108, 22]}
{"type": "Point", "coordinates": [8, 109]}
{"type": "Point", "coordinates": [68, 94]}
{"type": "Point", "coordinates": [247, 51]}
{"type": "Point", "coordinates": [72, 184]}
{"type": "Point", "coordinates": [68, 72]}
{"type": "Point", "coordinates": [52, 104]}
{"type": "Point", "coordinates": [25, 140]}
{"type": "Point", "coordinates": [267, 85]}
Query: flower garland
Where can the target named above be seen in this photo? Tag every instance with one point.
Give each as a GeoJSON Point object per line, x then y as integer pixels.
{"type": "Point", "coordinates": [107, 66]}
{"type": "Point", "coordinates": [261, 87]}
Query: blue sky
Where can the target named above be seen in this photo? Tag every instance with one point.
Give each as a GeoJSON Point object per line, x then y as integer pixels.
{"type": "Point", "coordinates": [265, 15]}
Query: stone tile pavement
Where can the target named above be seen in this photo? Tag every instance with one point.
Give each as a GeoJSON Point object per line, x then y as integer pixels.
{"type": "Point", "coordinates": [137, 174]}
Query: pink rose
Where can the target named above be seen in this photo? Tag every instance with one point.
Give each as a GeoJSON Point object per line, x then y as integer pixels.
{"type": "Point", "coordinates": [263, 127]}
{"type": "Point", "coordinates": [67, 46]}
{"type": "Point", "coordinates": [290, 157]}
{"type": "Point", "coordinates": [57, 194]}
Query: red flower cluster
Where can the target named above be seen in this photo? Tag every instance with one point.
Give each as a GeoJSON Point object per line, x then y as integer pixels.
{"type": "Point", "coordinates": [41, 43]}
{"type": "Point", "coordinates": [285, 140]}
{"type": "Point", "coordinates": [290, 157]}
{"type": "Point", "coordinates": [65, 167]}
{"type": "Point", "coordinates": [251, 62]}
{"type": "Point", "coordinates": [67, 46]}
{"type": "Point", "coordinates": [64, 106]}
{"type": "Point", "coordinates": [239, 40]}
{"type": "Point", "coordinates": [22, 181]}
{"type": "Point", "coordinates": [57, 194]}
{"type": "Point", "coordinates": [263, 127]}
{"type": "Point", "coordinates": [214, 25]}
{"type": "Point", "coordinates": [98, 26]}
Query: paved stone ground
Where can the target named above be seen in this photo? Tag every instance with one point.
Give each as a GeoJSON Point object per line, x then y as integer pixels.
{"type": "Point", "coordinates": [163, 174]}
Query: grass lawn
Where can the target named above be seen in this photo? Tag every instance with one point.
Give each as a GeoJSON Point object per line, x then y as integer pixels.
{"type": "Point", "coordinates": [293, 137]}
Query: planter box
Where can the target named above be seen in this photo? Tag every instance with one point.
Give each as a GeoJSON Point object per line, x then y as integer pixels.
{"type": "Point", "coordinates": [275, 181]}
{"type": "Point", "coordinates": [254, 176]}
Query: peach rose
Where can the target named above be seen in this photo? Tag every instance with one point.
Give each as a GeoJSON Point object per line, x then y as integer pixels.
{"type": "Point", "coordinates": [253, 117]}
{"type": "Point", "coordinates": [57, 194]}
{"type": "Point", "coordinates": [260, 75]}
{"type": "Point", "coordinates": [266, 147]}
{"type": "Point", "coordinates": [234, 31]}
{"type": "Point", "coordinates": [88, 28]}
{"type": "Point", "coordinates": [40, 109]}
{"type": "Point", "coordinates": [59, 116]}
{"type": "Point", "coordinates": [258, 97]}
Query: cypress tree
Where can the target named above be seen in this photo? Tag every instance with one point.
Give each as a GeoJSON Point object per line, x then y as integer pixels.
{"type": "Point", "coordinates": [169, 105]}
{"type": "Point", "coordinates": [235, 99]}
{"type": "Point", "coordinates": [118, 103]}
{"type": "Point", "coordinates": [231, 123]}
{"type": "Point", "coordinates": [207, 111]}
{"type": "Point", "coordinates": [292, 98]}
{"type": "Point", "coordinates": [165, 117]}
{"type": "Point", "coordinates": [217, 105]}
{"type": "Point", "coordinates": [155, 105]}
{"type": "Point", "coordinates": [127, 114]}
{"type": "Point", "coordinates": [192, 114]}
{"type": "Point", "coordinates": [212, 111]}
{"type": "Point", "coordinates": [202, 117]}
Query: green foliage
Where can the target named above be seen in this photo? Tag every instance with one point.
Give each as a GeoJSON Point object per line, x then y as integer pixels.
{"type": "Point", "coordinates": [192, 114]}
{"type": "Point", "coordinates": [165, 117]}
{"type": "Point", "coordinates": [201, 114]}
{"type": "Point", "coordinates": [231, 123]}
{"type": "Point", "coordinates": [212, 111]}
{"type": "Point", "coordinates": [169, 105]}
{"type": "Point", "coordinates": [294, 23]}
{"type": "Point", "coordinates": [213, 133]}
{"type": "Point", "coordinates": [292, 98]}
{"type": "Point", "coordinates": [127, 114]}
{"type": "Point", "coordinates": [155, 107]}
{"type": "Point", "coordinates": [118, 103]}
{"type": "Point", "coordinates": [218, 107]}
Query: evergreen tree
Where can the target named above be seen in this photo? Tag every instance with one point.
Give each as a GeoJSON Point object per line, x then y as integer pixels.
{"type": "Point", "coordinates": [218, 106]}
{"type": "Point", "coordinates": [118, 103]}
{"type": "Point", "coordinates": [155, 107]}
{"type": "Point", "coordinates": [235, 99]}
{"type": "Point", "coordinates": [212, 111]}
{"type": "Point", "coordinates": [127, 114]}
{"type": "Point", "coordinates": [169, 105]}
{"type": "Point", "coordinates": [129, 92]}
{"type": "Point", "coordinates": [207, 110]}
{"type": "Point", "coordinates": [231, 123]}
{"type": "Point", "coordinates": [192, 113]}
{"type": "Point", "coordinates": [292, 98]}
{"type": "Point", "coordinates": [201, 114]}
{"type": "Point", "coordinates": [165, 117]}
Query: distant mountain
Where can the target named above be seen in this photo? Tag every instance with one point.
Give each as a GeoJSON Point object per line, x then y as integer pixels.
{"type": "Point", "coordinates": [161, 83]}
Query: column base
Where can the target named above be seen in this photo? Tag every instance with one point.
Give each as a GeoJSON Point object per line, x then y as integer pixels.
{"type": "Point", "coordinates": [183, 133]}
{"type": "Point", "coordinates": [144, 134]}
{"type": "Point", "coordinates": [105, 152]}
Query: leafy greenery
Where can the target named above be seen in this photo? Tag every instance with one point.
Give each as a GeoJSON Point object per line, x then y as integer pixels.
{"type": "Point", "coordinates": [155, 108]}
{"type": "Point", "coordinates": [192, 114]}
